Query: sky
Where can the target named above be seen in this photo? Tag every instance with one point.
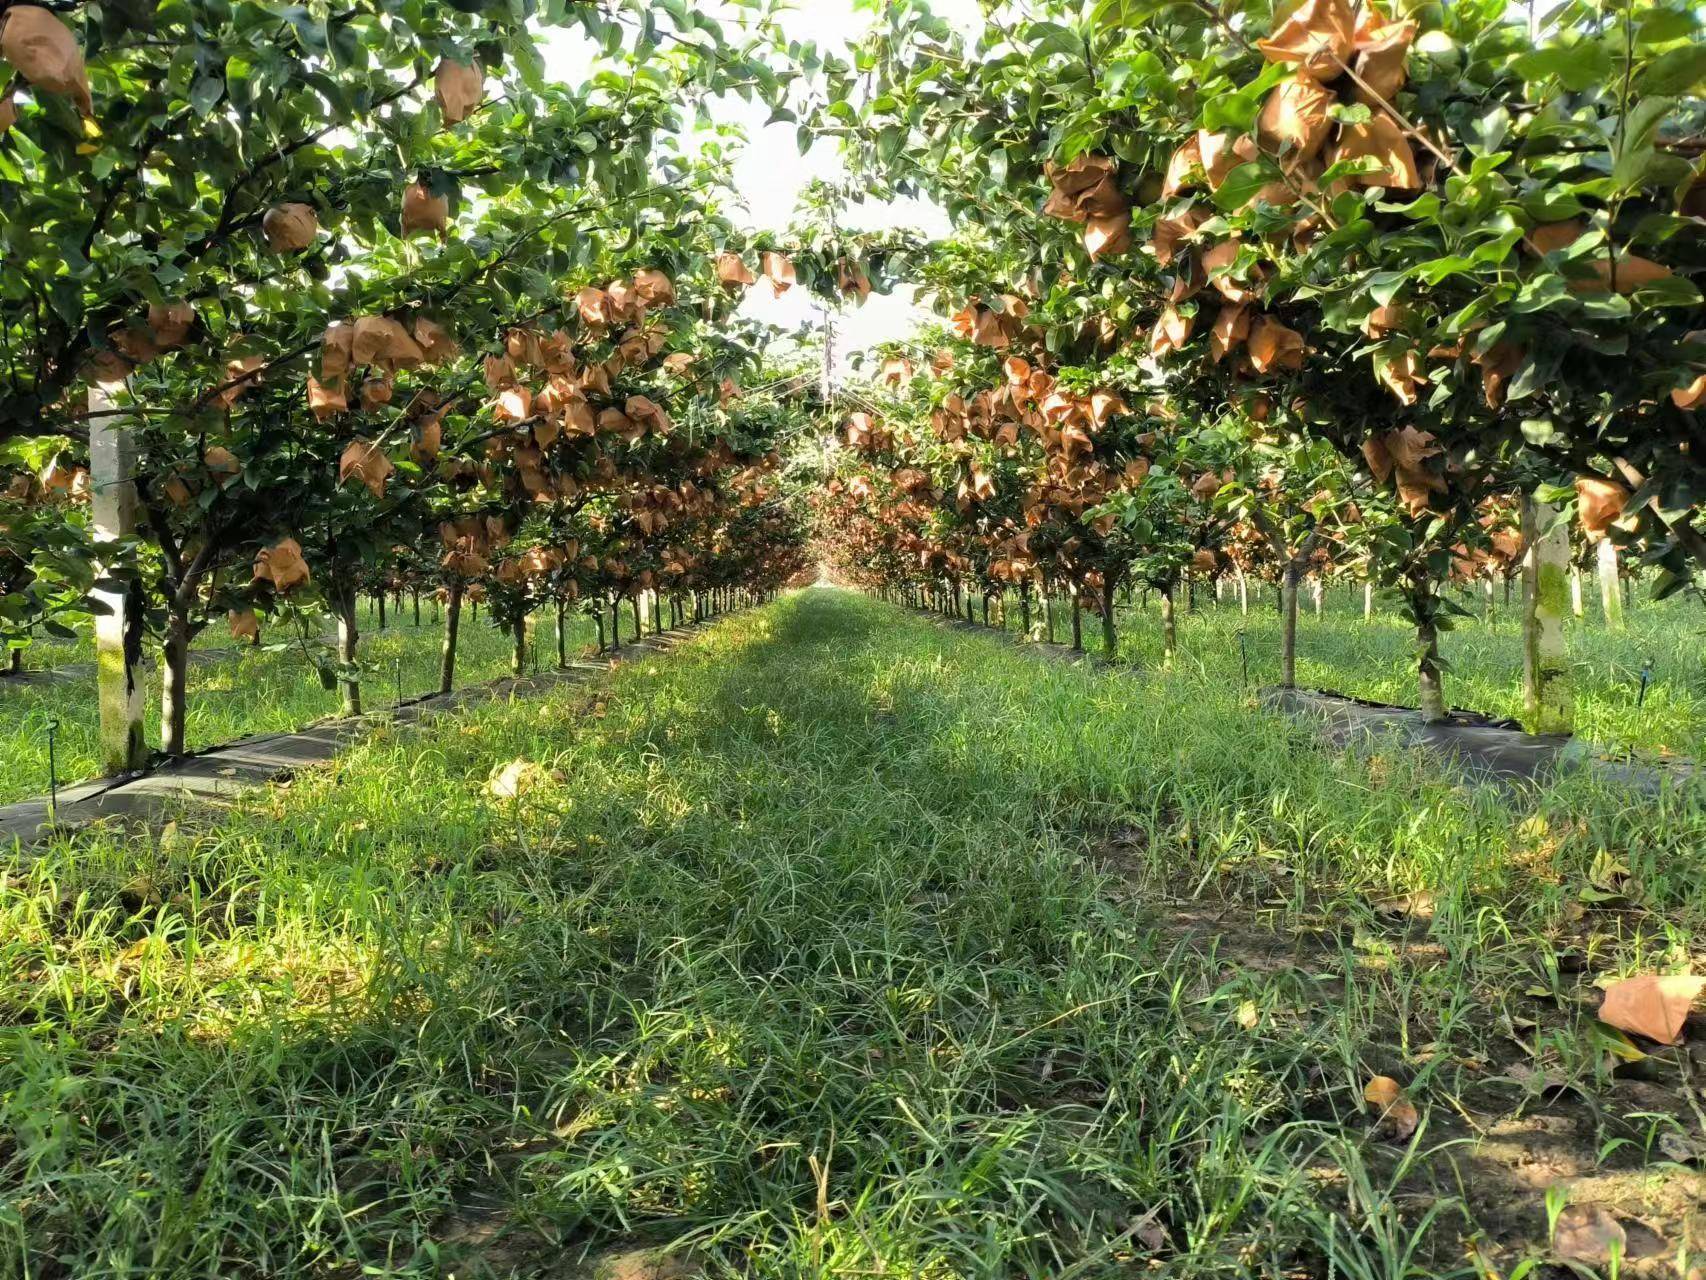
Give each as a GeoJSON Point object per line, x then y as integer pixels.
{"type": "Point", "coordinates": [771, 173]}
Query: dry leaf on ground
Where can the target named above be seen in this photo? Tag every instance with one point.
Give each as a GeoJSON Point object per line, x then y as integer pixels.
{"type": "Point", "coordinates": [1398, 1115]}
{"type": "Point", "coordinates": [1588, 1233]}
{"type": "Point", "coordinates": [1651, 1005]}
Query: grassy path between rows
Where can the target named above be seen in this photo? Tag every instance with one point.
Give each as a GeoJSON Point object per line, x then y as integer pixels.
{"type": "Point", "coordinates": [236, 691]}
{"type": "Point", "coordinates": [1374, 658]}
{"type": "Point", "coordinates": [836, 943]}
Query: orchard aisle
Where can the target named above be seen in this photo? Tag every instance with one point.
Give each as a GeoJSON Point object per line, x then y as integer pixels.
{"type": "Point", "coordinates": [841, 942]}
{"type": "Point", "coordinates": [219, 773]}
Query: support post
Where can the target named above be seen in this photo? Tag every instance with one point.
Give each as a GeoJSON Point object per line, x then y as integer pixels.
{"type": "Point", "coordinates": [1169, 626]}
{"type": "Point", "coordinates": [1288, 623]}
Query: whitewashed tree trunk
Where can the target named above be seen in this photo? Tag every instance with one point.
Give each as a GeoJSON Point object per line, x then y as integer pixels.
{"type": "Point", "coordinates": [349, 636]}
{"type": "Point", "coordinates": [1610, 588]}
{"type": "Point", "coordinates": [118, 629]}
{"type": "Point", "coordinates": [1547, 685]}
{"type": "Point", "coordinates": [174, 683]}
{"type": "Point", "coordinates": [1243, 592]}
{"type": "Point", "coordinates": [1576, 605]}
{"type": "Point", "coordinates": [1368, 600]}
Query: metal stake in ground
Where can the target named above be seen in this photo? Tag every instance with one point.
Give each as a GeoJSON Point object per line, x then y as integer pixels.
{"type": "Point", "coordinates": [53, 772]}
{"type": "Point", "coordinates": [1244, 657]}
{"type": "Point", "coordinates": [398, 669]}
{"type": "Point", "coordinates": [1646, 679]}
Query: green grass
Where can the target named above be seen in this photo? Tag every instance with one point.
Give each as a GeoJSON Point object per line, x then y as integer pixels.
{"type": "Point", "coordinates": [244, 692]}
{"type": "Point", "coordinates": [1375, 660]}
{"type": "Point", "coordinates": [836, 943]}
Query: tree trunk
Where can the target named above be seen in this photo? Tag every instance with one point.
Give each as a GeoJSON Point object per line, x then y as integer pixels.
{"type": "Point", "coordinates": [1547, 696]}
{"type": "Point", "coordinates": [1319, 591]}
{"type": "Point", "coordinates": [381, 599]}
{"type": "Point", "coordinates": [616, 625]}
{"type": "Point", "coordinates": [1169, 626]}
{"type": "Point", "coordinates": [657, 613]}
{"type": "Point", "coordinates": [639, 627]}
{"type": "Point", "coordinates": [348, 636]}
{"type": "Point", "coordinates": [1429, 688]}
{"type": "Point", "coordinates": [598, 621]}
{"type": "Point", "coordinates": [1487, 590]}
{"type": "Point", "coordinates": [15, 663]}
{"type": "Point", "coordinates": [562, 635]}
{"type": "Point", "coordinates": [415, 600]}
{"type": "Point", "coordinates": [1077, 623]}
{"type": "Point", "coordinates": [1025, 608]}
{"type": "Point", "coordinates": [1288, 625]}
{"type": "Point", "coordinates": [1610, 589]}
{"type": "Point", "coordinates": [113, 511]}
{"type": "Point", "coordinates": [174, 682]}
{"type": "Point", "coordinates": [518, 656]}
{"type": "Point", "coordinates": [1243, 592]}
{"type": "Point", "coordinates": [452, 625]}
{"type": "Point", "coordinates": [1048, 613]}
{"type": "Point", "coordinates": [1368, 600]}
{"type": "Point", "coordinates": [1576, 605]}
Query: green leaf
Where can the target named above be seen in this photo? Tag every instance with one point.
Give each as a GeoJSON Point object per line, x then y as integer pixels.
{"type": "Point", "coordinates": [1635, 151]}
{"type": "Point", "coordinates": [1576, 66]}
{"type": "Point", "coordinates": [1672, 291]}
{"type": "Point", "coordinates": [1678, 71]}
{"type": "Point", "coordinates": [206, 92]}
{"type": "Point", "coordinates": [1241, 185]}
{"type": "Point", "coordinates": [1538, 292]}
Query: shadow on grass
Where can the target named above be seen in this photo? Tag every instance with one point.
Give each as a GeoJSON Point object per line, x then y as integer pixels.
{"type": "Point", "coordinates": [796, 949]}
